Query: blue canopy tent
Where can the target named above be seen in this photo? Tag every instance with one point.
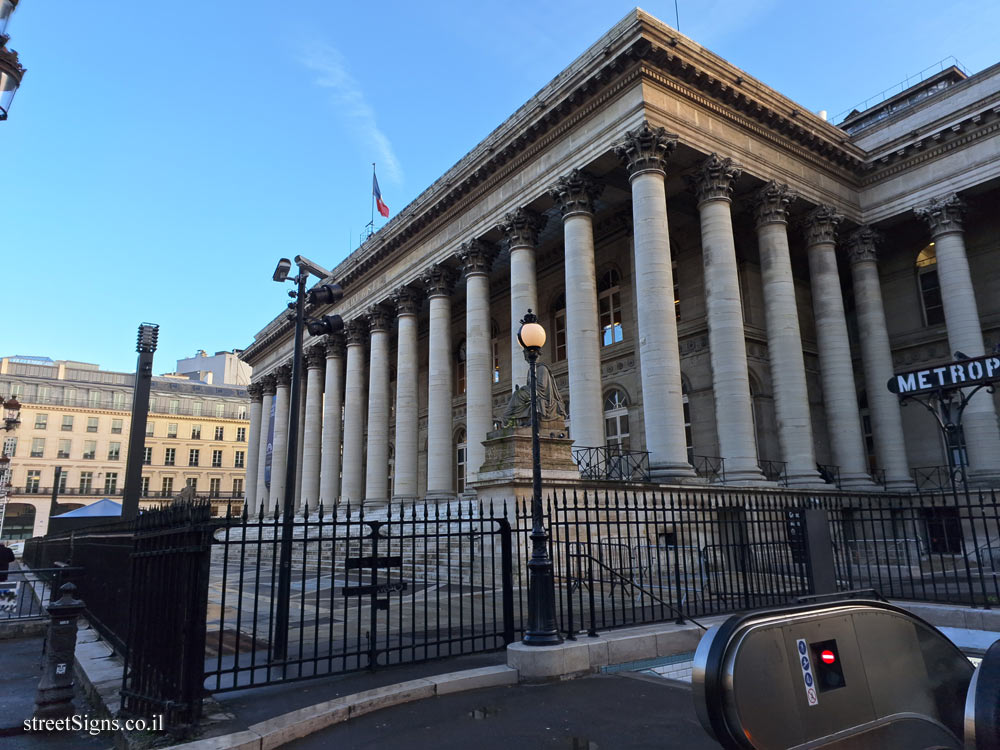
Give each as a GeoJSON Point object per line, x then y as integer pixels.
{"type": "Point", "coordinates": [102, 508]}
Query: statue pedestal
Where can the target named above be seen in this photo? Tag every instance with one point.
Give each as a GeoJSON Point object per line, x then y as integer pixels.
{"type": "Point", "coordinates": [506, 472]}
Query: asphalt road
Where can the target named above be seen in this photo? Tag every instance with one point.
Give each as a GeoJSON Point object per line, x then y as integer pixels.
{"type": "Point", "coordinates": [603, 712]}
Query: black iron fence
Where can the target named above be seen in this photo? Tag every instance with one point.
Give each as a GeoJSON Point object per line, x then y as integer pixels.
{"type": "Point", "coordinates": [930, 478]}
{"type": "Point", "coordinates": [195, 598]}
{"type": "Point", "coordinates": [774, 471]}
{"type": "Point", "coordinates": [711, 468]}
{"type": "Point", "coordinates": [612, 463]}
{"type": "Point", "coordinates": [25, 592]}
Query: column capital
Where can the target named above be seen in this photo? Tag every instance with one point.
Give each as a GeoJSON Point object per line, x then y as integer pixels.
{"type": "Point", "coordinates": [861, 245]}
{"type": "Point", "coordinates": [771, 203]}
{"type": "Point", "coordinates": [255, 391]}
{"type": "Point", "coordinates": [315, 357]}
{"type": "Point", "coordinates": [356, 331]}
{"type": "Point", "coordinates": [714, 178]}
{"type": "Point", "coordinates": [438, 281]}
{"type": "Point", "coordinates": [942, 214]}
{"type": "Point", "coordinates": [283, 375]}
{"type": "Point", "coordinates": [821, 225]}
{"type": "Point", "coordinates": [407, 300]}
{"type": "Point", "coordinates": [379, 317]}
{"type": "Point", "coordinates": [269, 384]}
{"type": "Point", "coordinates": [334, 344]}
{"type": "Point", "coordinates": [476, 257]}
{"type": "Point", "coordinates": [521, 227]}
{"type": "Point", "coordinates": [646, 149]}
{"type": "Point", "coordinates": [576, 192]}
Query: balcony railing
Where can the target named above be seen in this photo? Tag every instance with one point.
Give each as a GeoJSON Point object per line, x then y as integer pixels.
{"type": "Point", "coordinates": [612, 463]}
{"type": "Point", "coordinates": [710, 468]}
{"type": "Point", "coordinates": [829, 474]}
{"type": "Point", "coordinates": [936, 477]}
{"type": "Point", "coordinates": [231, 411]}
{"type": "Point", "coordinates": [116, 492]}
{"type": "Point", "coordinates": [774, 471]}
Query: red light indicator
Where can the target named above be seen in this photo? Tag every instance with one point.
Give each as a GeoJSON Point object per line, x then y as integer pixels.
{"type": "Point", "coordinates": [826, 655]}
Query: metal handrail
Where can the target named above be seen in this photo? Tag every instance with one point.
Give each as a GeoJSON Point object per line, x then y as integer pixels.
{"type": "Point", "coordinates": [612, 463]}
{"type": "Point", "coordinates": [712, 468]}
{"type": "Point", "coordinates": [774, 471]}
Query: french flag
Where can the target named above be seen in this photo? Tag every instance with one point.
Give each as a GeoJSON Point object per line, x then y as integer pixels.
{"type": "Point", "coordinates": [382, 208]}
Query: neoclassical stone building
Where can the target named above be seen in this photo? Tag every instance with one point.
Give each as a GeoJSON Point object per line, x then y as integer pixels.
{"type": "Point", "coordinates": [722, 275]}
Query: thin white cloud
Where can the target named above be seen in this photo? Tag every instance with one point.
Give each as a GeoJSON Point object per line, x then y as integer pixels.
{"type": "Point", "coordinates": [352, 105]}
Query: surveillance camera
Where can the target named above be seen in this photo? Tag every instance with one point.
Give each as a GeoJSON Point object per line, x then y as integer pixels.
{"type": "Point", "coordinates": [281, 272]}
{"type": "Point", "coordinates": [314, 268]}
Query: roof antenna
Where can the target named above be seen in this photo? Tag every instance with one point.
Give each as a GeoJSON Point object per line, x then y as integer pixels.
{"type": "Point", "coordinates": [677, 17]}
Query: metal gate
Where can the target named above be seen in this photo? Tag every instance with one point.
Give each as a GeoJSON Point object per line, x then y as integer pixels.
{"type": "Point", "coordinates": [411, 584]}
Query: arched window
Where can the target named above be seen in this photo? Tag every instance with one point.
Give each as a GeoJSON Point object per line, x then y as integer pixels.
{"type": "Point", "coordinates": [928, 286]}
{"type": "Point", "coordinates": [495, 339]}
{"type": "Point", "coordinates": [616, 418]}
{"type": "Point", "coordinates": [559, 326]}
{"type": "Point", "coordinates": [609, 308]}
{"type": "Point", "coordinates": [460, 369]}
{"type": "Point", "coordinates": [460, 462]}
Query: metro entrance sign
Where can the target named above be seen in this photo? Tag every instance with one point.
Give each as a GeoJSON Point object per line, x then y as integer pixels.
{"type": "Point", "coordinates": [963, 373]}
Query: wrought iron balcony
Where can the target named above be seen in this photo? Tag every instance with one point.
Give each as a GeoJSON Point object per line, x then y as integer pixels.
{"type": "Point", "coordinates": [612, 463]}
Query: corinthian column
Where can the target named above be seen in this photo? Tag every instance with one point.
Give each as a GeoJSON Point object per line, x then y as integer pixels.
{"type": "Point", "coordinates": [329, 472]}
{"type": "Point", "coordinates": [943, 217]}
{"type": "Point", "coordinates": [311, 437]}
{"type": "Point", "coordinates": [840, 397]}
{"type": "Point", "coordinates": [645, 153]}
{"type": "Point", "coordinates": [439, 283]}
{"type": "Point", "coordinates": [268, 385]}
{"type": "Point", "coordinates": [256, 392]}
{"type": "Point", "coordinates": [784, 340]}
{"type": "Point", "coordinates": [377, 478]}
{"type": "Point", "coordinates": [353, 482]}
{"type": "Point", "coordinates": [279, 456]}
{"type": "Point", "coordinates": [520, 229]}
{"type": "Point", "coordinates": [575, 195]}
{"type": "Point", "coordinates": [876, 355]}
{"type": "Point", "coordinates": [727, 341]}
{"type": "Point", "coordinates": [476, 258]}
{"type": "Point", "coordinates": [404, 476]}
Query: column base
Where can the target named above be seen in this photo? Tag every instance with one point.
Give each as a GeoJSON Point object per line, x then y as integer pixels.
{"type": "Point", "coordinates": [900, 484]}
{"type": "Point", "coordinates": [674, 474]}
{"type": "Point", "coordinates": [375, 502]}
{"type": "Point", "coordinates": [983, 478]}
{"type": "Point", "coordinates": [859, 481]}
{"type": "Point", "coordinates": [405, 499]}
{"type": "Point", "coordinates": [438, 496]}
{"type": "Point", "coordinates": [747, 475]}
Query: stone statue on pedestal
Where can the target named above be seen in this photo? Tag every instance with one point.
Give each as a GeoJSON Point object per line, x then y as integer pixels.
{"type": "Point", "coordinates": [550, 404]}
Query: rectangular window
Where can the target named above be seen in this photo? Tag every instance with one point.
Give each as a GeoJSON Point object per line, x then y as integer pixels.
{"type": "Point", "coordinates": [174, 406]}
{"type": "Point", "coordinates": [214, 486]}
{"type": "Point", "coordinates": [43, 394]}
{"type": "Point", "coordinates": [31, 484]}
{"type": "Point", "coordinates": [41, 421]}
{"type": "Point", "coordinates": [240, 459]}
{"type": "Point", "coordinates": [114, 451]}
{"type": "Point", "coordinates": [10, 447]}
{"type": "Point", "coordinates": [196, 409]}
{"type": "Point", "coordinates": [118, 401]}
{"type": "Point", "coordinates": [241, 412]}
{"type": "Point", "coordinates": [219, 433]}
{"type": "Point", "coordinates": [37, 447]}
{"type": "Point", "coordinates": [237, 487]}
{"type": "Point", "coordinates": [94, 399]}
{"type": "Point", "coordinates": [192, 482]}
{"type": "Point", "coordinates": [90, 449]}
{"type": "Point", "coordinates": [111, 483]}
{"type": "Point", "coordinates": [241, 434]}
{"type": "Point", "coordinates": [496, 360]}
{"type": "Point", "coordinates": [560, 337]}
{"type": "Point", "coordinates": [150, 429]}
{"type": "Point", "coordinates": [116, 427]}
{"type": "Point", "coordinates": [67, 423]}
{"type": "Point", "coordinates": [154, 404]}
{"type": "Point", "coordinates": [171, 430]}
{"type": "Point", "coordinates": [65, 446]}
{"type": "Point", "coordinates": [144, 486]}
{"type": "Point", "coordinates": [168, 456]}
{"type": "Point", "coordinates": [196, 432]}
{"type": "Point", "coordinates": [193, 457]}
{"type": "Point", "coordinates": [220, 410]}
{"type": "Point", "coordinates": [147, 456]}
{"type": "Point", "coordinates": [86, 482]}
{"type": "Point", "coordinates": [216, 459]}
{"type": "Point", "coordinates": [63, 477]}
{"type": "Point", "coordinates": [92, 424]}
{"type": "Point", "coordinates": [167, 487]}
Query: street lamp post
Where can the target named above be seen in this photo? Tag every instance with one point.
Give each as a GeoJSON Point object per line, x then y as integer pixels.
{"type": "Point", "coordinates": [11, 70]}
{"type": "Point", "coordinates": [541, 629]}
{"type": "Point", "coordinates": [11, 421]}
{"type": "Point", "coordinates": [324, 294]}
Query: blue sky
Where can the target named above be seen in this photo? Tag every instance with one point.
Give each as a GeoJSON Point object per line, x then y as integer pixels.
{"type": "Point", "coordinates": [160, 157]}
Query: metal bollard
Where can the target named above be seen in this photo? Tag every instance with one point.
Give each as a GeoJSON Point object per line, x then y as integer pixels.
{"type": "Point", "coordinates": [54, 698]}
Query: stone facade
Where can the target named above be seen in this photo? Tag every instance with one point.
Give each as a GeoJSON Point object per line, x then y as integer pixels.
{"type": "Point", "coordinates": [721, 274]}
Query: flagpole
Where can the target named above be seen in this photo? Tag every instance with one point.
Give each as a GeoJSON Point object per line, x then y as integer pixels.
{"type": "Point", "coordinates": [373, 197]}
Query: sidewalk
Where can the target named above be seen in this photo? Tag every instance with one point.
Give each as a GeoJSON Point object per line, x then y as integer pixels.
{"type": "Point", "coordinates": [20, 669]}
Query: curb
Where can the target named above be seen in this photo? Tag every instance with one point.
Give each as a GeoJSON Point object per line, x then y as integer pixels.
{"type": "Point", "coordinates": [291, 726]}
